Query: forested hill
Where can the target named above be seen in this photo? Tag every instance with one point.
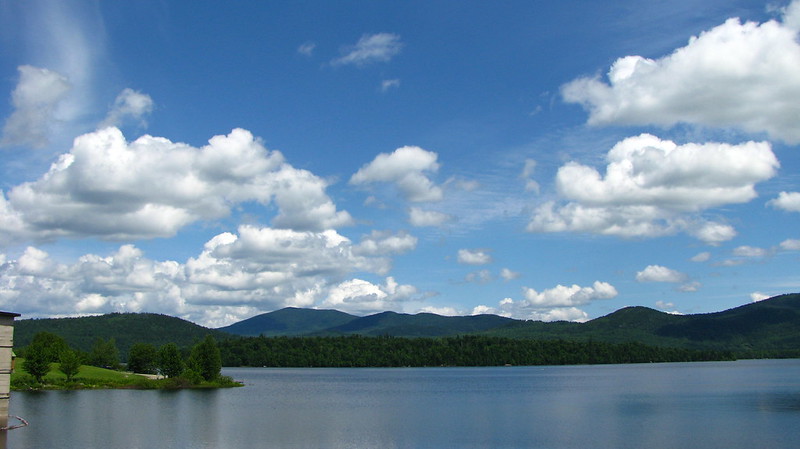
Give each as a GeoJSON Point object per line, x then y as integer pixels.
{"type": "Point", "coordinates": [766, 328]}
{"type": "Point", "coordinates": [125, 328]}
{"type": "Point", "coordinates": [289, 321]}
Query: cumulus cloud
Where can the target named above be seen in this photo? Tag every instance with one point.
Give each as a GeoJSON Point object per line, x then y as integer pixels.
{"type": "Point", "coordinates": [740, 75]}
{"type": "Point", "coordinates": [758, 296]}
{"type": "Point", "coordinates": [235, 276]}
{"type": "Point", "coordinates": [421, 217]}
{"type": "Point", "coordinates": [385, 242]}
{"type": "Point", "coordinates": [653, 187]}
{"type": "Point", "coordinates": [750, 251]}
{"type": "Point", "coordinates": [359, 296]}
{"type": "Point", "coordinates": [474, 257]}
{"type": "Point", "coordinates": [407, 168]}
{"type": "Point", "coordinates": [35, 100]}
{"type": "Point", "coordinates": [129, 105]}
{"type": "Point", "coordinates": [658, 273]}
{"type": "Point", "coordinates": [370, 48]}
{"type": "Point", "coordinates": [109, 188]}
{"type": "Point", "coordinates": [509, 275]}
{"type": "Point", "coordinates": [788, 201]}
{"type": "Point", "coordinates": [701, 257]}
{"type": "Point", "coordinates": [563, 296]}
{"type": "Point", "coordinates": [790, 245]}
{"type": "Point", "coordinates": [559, 303]}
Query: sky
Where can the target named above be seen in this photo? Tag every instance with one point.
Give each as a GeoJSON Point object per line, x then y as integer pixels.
{"type": "Point", "coordinates": [537, 160]}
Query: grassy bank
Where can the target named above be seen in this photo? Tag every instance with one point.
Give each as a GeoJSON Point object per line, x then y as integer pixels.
{"type": "Point", "coordinates": [91, 377]}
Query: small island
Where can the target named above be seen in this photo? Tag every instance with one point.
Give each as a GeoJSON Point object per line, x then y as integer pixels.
{"type": "Point", "coordinates": [49, 364]}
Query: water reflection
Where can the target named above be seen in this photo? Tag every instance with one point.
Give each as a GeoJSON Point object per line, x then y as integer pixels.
{"type": "Point", "coordinates": [732, 405]}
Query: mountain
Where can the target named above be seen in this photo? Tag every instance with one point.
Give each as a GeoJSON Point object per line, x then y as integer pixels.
{"type": "Point", "coordinates": [765, 327]}
{"type": "Point", "coordinates": [125, 328]}
{"type": "Point", "coordinates": [419, 325]}
{"type": "Point", "coordinates": [289, 321]}
{"type": "Point", "coordinates": [768, 328]}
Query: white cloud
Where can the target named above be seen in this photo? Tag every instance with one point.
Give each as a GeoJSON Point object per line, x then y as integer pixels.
{"type": "Point", "coordinates": [791, 15]}
{"type": "Point", "coordinates": [129, 104]}
{"type": "Point", "coordinates": [444, 311]}
{"type": "Point", "coordinates": [563, 296]}
{"type": "Point", "coordinates": [788, 201]}
{"type": "Point", "coordinates": [380, 47]}
{"type": "Point", "coordinates": [750, 251]}
{"type": "Point", "coordinates": [690, 287]}
{"type": "Point", "coordinates": [234, 277]}
{"type": "Point", "coordinates": [659, 273]}
{"type": "Point", "coordinates": [35, 100]}
{"type": "Point", "coordinates": [108, 188]}
{"type": "Point", "coordinates": [509, 275]}
{"type": "Point", "coordinates": [307, 49]}
{"type": "Point", "coordinates": [389, 84]}
{"type": "Point", "coordinates": [527, 172]}
{"type": "Point", "coordinates": [420, 217]}
{"type": "Point", "coordinates": [555, 304]}
{"type": "Point", "coordinates": [382, 243]}
{"type": "Point", "coordinates": [701, 257]}
{"type": "Point", "coordinates": [653, 187]}
{"type": "Point", "coordinates": [713, 233]}
{"type": "Point", "coordinates": [734, 75]}
{"type": "Point", "coordinates": [479, 277]}
{"type": "Point", "coordinates": [474, 257]}
{"type": "Point", "coordinates": [359, 296]}
{"type": "Point", "coordinates": [758, 296]}
{"type": "Point", "coordinates": [790, 245]}
{"type": "Point", "coordinates": [406, 167]}
{"type": "Point", "coordinates": [664, 305]}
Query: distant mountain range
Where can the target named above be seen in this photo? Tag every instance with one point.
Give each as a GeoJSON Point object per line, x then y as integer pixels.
{"type": "Point", "coordinates": [766, 328]}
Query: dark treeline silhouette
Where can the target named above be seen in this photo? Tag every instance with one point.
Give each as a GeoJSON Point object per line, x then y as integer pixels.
{"type": "Point", "coordinates": [360, 351]}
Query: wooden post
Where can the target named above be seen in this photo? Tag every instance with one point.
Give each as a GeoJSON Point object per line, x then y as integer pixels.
{"type": "Point", "coordinates": [6, 359]}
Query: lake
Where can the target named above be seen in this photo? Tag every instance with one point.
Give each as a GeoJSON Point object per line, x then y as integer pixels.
{"type": "Point", "coordinates": [729, 405]}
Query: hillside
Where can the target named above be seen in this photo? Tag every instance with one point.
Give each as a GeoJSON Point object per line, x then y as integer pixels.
{"type": "Point", "coordinates": [767, 328]}
{"type": "Point", "coordinates": [125, 328]}
{"type": "Point", "coordinates": [419, 325]}
{"type": "Point", "coordinates": [289, 321]}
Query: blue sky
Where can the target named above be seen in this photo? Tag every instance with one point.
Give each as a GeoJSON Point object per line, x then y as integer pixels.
{"type": "Point", "coordinates": [540, 161]}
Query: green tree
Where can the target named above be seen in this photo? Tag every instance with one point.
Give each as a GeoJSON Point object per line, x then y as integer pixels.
{"type": "Point", "coordinates": [36, 362]}
{"type": "Point", "coordinates": [51, 344]}
{"type": "Point", "coordinates": [69, 364]}
{"type": "Point", "coordinates": [205, 358]}
{"type": "Point", "coordinates": [143, 358]}
{"type": "Point", "coordinates": [170, 362]}
{"type": "Point", "coordinates": [104, 354]}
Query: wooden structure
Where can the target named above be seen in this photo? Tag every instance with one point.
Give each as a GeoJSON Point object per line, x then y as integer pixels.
{"type": "Point", "coordinates": [6, 362]}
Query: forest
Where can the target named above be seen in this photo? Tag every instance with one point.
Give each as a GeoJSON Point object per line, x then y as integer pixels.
{"type": "Point", "coordinates": [468, 350]}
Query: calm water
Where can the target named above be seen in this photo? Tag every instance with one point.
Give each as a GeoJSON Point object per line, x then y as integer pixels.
{"type": "Point", "coordinates": [728, 405]}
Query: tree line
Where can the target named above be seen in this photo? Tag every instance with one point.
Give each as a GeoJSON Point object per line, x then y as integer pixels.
{"type": "Point", "coordinates": [204, 360]}
{"type": "Point", "coordinates": [360, 351]}
{"type": "Point", "coordinates": [202, 363]}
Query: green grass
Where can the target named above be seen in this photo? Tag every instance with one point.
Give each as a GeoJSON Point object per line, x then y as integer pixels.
{"type": "Point", "coordinates": [92, 377]}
